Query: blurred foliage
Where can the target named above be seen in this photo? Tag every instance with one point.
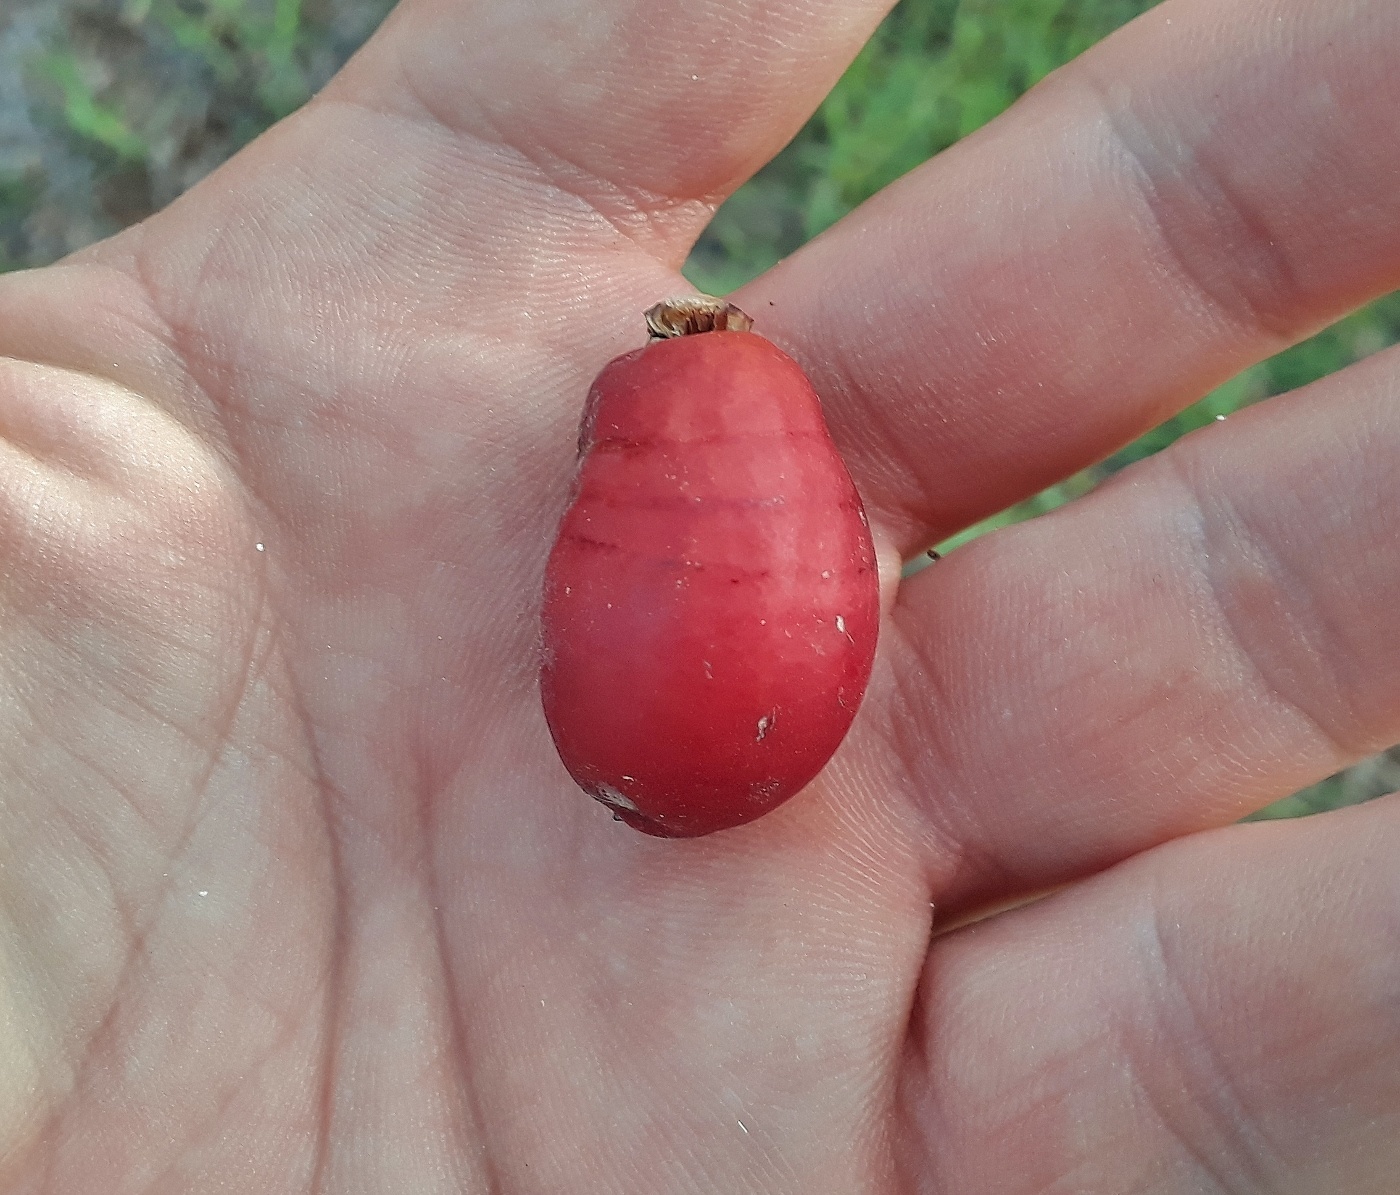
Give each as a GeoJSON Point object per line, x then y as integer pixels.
{"type": "Point", "coordinates": [111, 108]}
{"type": "Point", "coordinates": [259, 49]}
{"type": "Point", "coordinates": [85, 115]}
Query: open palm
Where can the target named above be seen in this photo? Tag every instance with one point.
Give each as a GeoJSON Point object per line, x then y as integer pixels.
{"type": "Point", "coordinates": [294, 894]}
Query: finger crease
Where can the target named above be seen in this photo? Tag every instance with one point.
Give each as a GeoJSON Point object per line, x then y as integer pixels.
{"type": "Point", "coordinates": [1206, 522]}
{"type": "Point", "coordinates": [1176, 185]}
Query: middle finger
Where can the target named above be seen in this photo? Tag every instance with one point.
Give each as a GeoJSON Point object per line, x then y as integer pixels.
{"type": "Point", "coordinates": [1208, 632]}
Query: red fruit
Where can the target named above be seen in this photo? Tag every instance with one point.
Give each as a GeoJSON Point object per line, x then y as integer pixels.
{"type": "Point", "coordinates": [711, 603]}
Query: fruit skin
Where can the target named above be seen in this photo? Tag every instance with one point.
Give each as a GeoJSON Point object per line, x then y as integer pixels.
{"type": "Point", "coordinates": [711, 604]}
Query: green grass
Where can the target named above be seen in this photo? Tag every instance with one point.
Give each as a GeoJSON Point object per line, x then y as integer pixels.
{"type": "Point", "coordinates": [255, 42]}
{"type": "Point", "coordinates": [126, 103]}
{"type": "Point", "coordinates": [84, 114]}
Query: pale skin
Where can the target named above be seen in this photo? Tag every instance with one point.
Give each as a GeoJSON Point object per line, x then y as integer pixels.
{"type": "Point", "coordinates": [294, 894]}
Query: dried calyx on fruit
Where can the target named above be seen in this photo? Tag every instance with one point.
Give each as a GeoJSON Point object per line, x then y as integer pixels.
{"type": "Point", "coordinates": [711, 602]}
{"type": "Point", "coordinates": [690, 315]}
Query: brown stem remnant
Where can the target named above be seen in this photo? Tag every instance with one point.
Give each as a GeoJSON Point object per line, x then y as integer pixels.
{"type": "Point", "coordinates": [689, 315]}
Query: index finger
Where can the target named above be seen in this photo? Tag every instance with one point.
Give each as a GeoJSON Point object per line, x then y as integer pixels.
{"type": "Point", "coordinates": [1212, 183]}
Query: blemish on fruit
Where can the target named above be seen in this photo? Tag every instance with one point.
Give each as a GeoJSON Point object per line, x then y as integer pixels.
{"type": "Point", "coordinates": [613, 799]}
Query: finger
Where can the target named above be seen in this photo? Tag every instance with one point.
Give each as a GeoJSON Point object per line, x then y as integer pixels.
{"type": "Point", "coordinates": [1211, 183]}
{"type": "Point", "coordinates": [1210, 631]}
{"type": "Point", "coordinates": [651, 110]}
{"type": "Point", "coordinates": [1217, 1015]}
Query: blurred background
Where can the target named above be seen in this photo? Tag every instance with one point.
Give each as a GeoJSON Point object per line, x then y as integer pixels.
{"type": "Point", "coordinates": [111, 108]}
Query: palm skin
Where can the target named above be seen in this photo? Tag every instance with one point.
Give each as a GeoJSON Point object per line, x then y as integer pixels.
{"type": "Point", "coordinates": [296, 896]}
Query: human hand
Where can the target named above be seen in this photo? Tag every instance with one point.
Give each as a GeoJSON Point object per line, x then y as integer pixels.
{"type": "Point", "coordinates": [297, 897]}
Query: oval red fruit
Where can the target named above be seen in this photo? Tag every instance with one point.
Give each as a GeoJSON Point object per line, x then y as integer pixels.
{"type": "Point", "coordinates": [711, 604]}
